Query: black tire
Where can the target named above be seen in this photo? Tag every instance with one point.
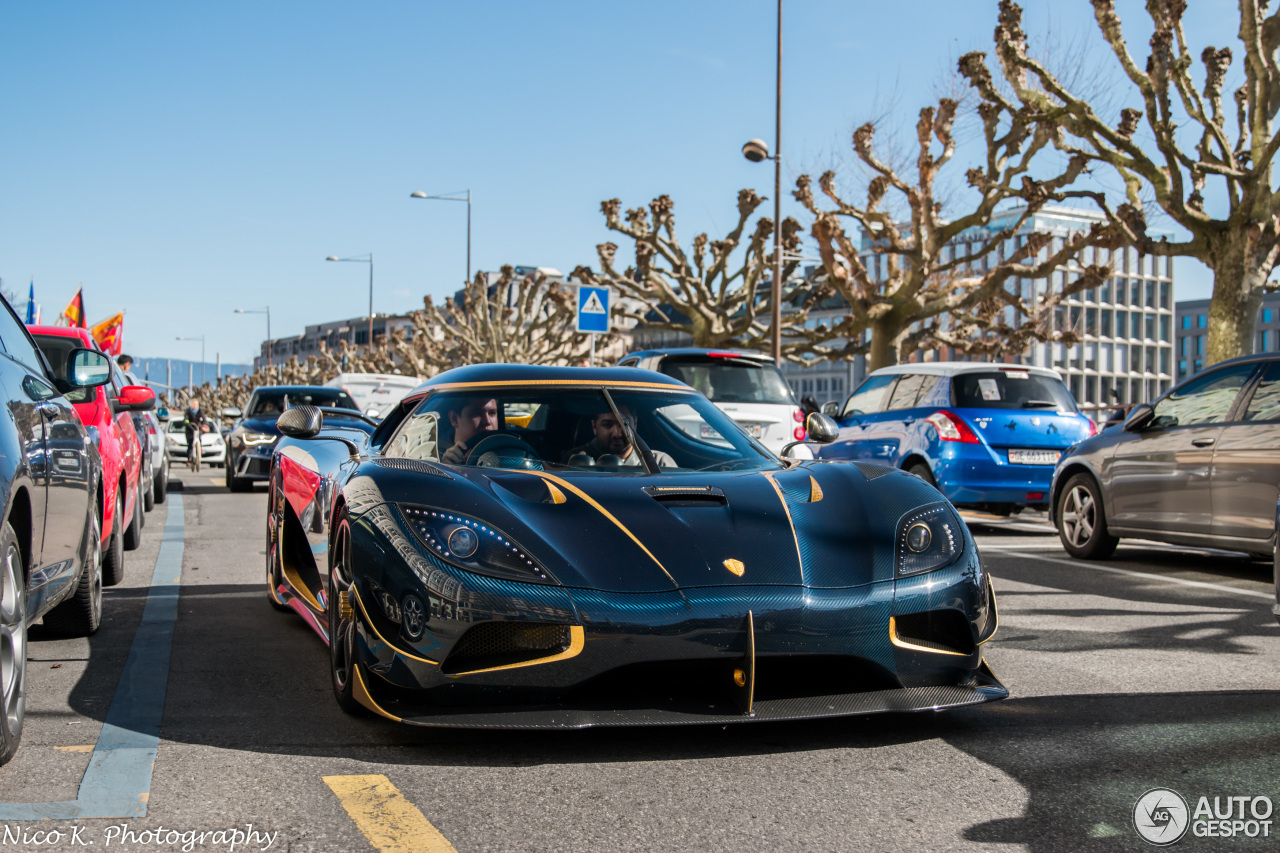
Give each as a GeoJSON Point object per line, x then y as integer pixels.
{"type": "Point", "coordinates": [921, 470]}
{"type": "Point", "coordinates": [148, 493]}
{"type": "Point", "coordinates": [133, 533]}
{"type": "Point", "coordinates": [237, 484]}
{"type": "Point", "coordinates": [113, 554]}
{"type": "Point", "coordinates": [161, 487]}
{"type": "Point", "coordinates": [81, 614]}
{"type": "Point", "coordinates": [342, 662]}
{"type": "Point", "coordinates": [140, 505]}
{"type": "Point", "coordinates": [1082, 521]}
{"type": "Point", "coordinates": [273, 549]}
{"type": "Point", "coordinates": [13, 643]}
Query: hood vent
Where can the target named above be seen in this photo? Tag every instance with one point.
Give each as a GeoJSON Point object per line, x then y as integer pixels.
{"type": "Point", "coordinates": [687, 496]}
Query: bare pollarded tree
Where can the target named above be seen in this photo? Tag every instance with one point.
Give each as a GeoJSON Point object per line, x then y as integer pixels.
{"type": "Point", "coordinates": [947, 277]}
{"type": "Point", "coordinates": [718, 294]}
{"type": "Point", "coordinates": [1148, 148]}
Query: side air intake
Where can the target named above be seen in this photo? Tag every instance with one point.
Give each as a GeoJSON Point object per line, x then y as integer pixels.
{"type": "Point", "coordinates": [492, 645]}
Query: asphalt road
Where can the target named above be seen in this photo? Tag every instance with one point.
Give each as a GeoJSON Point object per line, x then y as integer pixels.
{"type": "Point", "coordinates": [1157, 668]}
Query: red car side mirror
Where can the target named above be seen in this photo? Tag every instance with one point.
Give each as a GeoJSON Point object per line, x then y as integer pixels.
{"type": "Point", "coordinates": [135, 398]}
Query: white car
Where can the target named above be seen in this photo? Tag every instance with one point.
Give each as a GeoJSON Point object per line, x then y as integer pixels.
{"type": "Point", "coordinates": [375, 393]}
{"type": "Point", "coordinates": [744, 384]}
{"type": "Point", "coordinates": [213, 449]}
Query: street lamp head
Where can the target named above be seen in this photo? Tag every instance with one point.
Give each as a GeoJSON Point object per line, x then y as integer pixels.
{"type": "Point", "coordinates": [417, 194]}
{"type": "Point", "coordinates": [332, 258]}
{"type": "Point", "coordinates": [239, 310]}
{"type": "Point", "coordinates": [756, 150]}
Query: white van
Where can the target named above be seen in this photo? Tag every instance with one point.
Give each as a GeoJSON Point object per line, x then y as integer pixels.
{"type": "Point", "coordinates": [375, 393]}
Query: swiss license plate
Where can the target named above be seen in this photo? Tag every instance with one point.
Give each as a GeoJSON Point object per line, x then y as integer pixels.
{"type": "Point", "coordinates": [754, 430]}
{"type": "Point", "coordinates": [1033, 457]}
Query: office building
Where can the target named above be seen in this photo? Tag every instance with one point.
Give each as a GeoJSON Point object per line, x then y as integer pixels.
{"type": "Point", "coordinates": [1193, 332]}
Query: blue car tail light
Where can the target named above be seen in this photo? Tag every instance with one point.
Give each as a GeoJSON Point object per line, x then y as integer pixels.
{"type": "Point", "coordinates": [951, 427]}
{"type": "Point", "coordinates": [473, 545]}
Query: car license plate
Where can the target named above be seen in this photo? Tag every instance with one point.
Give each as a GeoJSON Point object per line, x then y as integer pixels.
{"type": "Point", "coordinates": [754, 430]}
{"type": "Point", "coordinates": [1034, 457]}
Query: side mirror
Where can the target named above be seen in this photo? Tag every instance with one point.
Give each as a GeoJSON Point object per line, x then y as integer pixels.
{"type": "Point", "coordinates": [1139, 418]}
{"type": "Point", "coordinates": [821, 428]}
{"type": "Point", "coordinates": [162, 414]}
{"type": "Point", "coordinates": [831, 408]}
{"type": "Point", "coordinates": [301, 422]}
{"type": "Point", "coordinates": [231, 412]}
{"type": "Point", "coordinates": [135, 398]}
{"type": "Point", "coordinates": [88, 368]}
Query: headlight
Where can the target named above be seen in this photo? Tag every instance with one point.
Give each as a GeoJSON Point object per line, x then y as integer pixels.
{"type": "Point", "coordinates": [255, 438]}
{"type": "Point", "coordinates": [928, 538]}
{"type": "Point", "coordinates": [473, 545]}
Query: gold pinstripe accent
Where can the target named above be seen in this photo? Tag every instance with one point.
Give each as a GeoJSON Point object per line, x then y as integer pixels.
{"type": "Point", "coordinates": [580, 383]}
{"type": "Point", "coordinates": [903, 644]}
{"type": "Point", "coordinates": [361, 694]}
{"type": "Point", "coordinates": [815, 491]}
{"type": "Point", "coordinates": [790, 521]}
{"type": "Point", "coordinates": [295, 581]}
{"type": "Point", "coordinates": [577, 641]}
{"type": "Point", "coordinates": [557, 496]}
{"type": "Point", "coordinates": [598, 508]}
{"type": "Point", "coordinates": [355, 594]}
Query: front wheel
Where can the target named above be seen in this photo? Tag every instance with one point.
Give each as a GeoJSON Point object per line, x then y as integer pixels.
{"type": "Point", "coordinates": [274, 509]}
{"type": "Point", "coordinates": [133, 533]}
{"type": "Point", "coordinates": [1082, 524]}
{"type": "Point", "coordinates": [342, 625]}
{"type": "Point", "coordinates": [81, 614]}
{"type": "Point", "coordinates": [234, 483]}
{"type": "Point", "coordinates": [161, 487]}
{"type": "Point", "coordinates": [13, 643]}
{"type": "Point", "coordinates": [113, 554]}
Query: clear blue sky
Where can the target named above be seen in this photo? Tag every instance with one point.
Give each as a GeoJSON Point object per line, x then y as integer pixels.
{"type": "Point", "coordinates": [182, 160]}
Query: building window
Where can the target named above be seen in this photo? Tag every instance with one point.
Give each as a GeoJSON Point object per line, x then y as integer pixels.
{"type": "Point", "coordinates": [1202, 321]}
{"type": "Point", "coordinates": [1164, 294]}
{"type": "Point", "coordinates": [1266, 315]}
{"type": "Point", "coordinates": [1122, 289]}
{"type": "Point", "coordinates": [1182, 368]}
{"type": "Point", "coordinates": [1164, 328]}
{"type": "Point", "coordinates": [1182, 347]}
{"type": "Point", "coordinates": [1135, 292]}
{"type": "Point", "coordinates": [1091, 321]}
{"type": "Point", "coordinates": [1135, 358]}
{"type": "Point", "coordinates": [1135, 324]}
{"type": "Point", "coordinates": [1105, 328]}
{"type": "Point", "coordinates": [1105, 292]}
{"type": "Point", "coordinates": [1186, 321]}
{"type": "Point", "coordinates": [1262, 342]}
{"type": "Point", "coordinates": [1151, 294]}
{"type": "Point", "coordinates": [1199, 346]}
{"type": "Point", "coordinates": [1151, 360]}
{"type": "Point", "coordinates": [1165, 357]}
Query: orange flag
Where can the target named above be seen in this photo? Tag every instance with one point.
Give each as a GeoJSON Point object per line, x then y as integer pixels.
{"type": "Point", "coordinates": [73, 314]}
{"type": "Point", "coordinates": [110, 334]}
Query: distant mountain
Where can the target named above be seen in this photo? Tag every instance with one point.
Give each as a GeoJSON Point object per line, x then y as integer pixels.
{"type": "Point", "coordinates": [156, 370]}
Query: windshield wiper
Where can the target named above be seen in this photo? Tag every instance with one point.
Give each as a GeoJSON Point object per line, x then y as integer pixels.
{"type": "Point", "coordinates": [646, 455]}
{"type": "Point", "coordinates": [1039, 404]}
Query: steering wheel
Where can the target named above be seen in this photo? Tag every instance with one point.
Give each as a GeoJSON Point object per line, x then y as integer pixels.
{"type": "Point", "coordinates": [503, 450]}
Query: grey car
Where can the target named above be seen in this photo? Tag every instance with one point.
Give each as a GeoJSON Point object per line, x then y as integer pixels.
{"type": "Point", "coordinates": [1200, 466]}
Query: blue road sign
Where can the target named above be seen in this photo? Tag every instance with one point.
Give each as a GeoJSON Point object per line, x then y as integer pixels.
{"type": "Point", "coordinates": [593, 309]}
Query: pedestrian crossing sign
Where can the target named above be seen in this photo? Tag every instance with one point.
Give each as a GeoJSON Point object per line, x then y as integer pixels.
{"type": "Point", "coordinates": [593, 310]}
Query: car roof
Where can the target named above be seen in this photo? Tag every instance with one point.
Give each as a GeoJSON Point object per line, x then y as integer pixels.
{"type": "Point", "coordinates": [737, 353]}
{"type": "Point", "coordinates": [63, 332]}
{"type": "Point", "coordinates": [479, 376]}
{"type": "Point", "coordinates": [374, 377]}
{"type": "Point", "coordinates": [955, 368]}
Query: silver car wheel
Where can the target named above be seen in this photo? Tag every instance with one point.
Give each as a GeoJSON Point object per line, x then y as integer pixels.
{"type": "Point", "coordinates": [1079, 516]}
{"type": "Point", "coordinates": [13, 639]}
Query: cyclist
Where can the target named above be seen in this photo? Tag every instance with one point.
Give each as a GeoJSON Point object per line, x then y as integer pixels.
{"type": "Point", "coordinates": [194, 424]}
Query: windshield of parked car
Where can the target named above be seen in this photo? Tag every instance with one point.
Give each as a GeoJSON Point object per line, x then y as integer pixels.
{"type": "Point", "coordinates": [271, 402]}
{"type": "Point", "coordinates": [1011, 389]}
{"type": "Point", "coordinates": [57, 349]}
{"type": "Point", "coordinates": [731, 380]}
{"type": "Point", "coordinates": [578, 431]}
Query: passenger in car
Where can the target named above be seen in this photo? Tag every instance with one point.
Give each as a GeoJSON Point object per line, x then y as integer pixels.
{"type": "Point", "coordinates": [474, 415]}
{"type": "Point", "coordinates": [610, 447]}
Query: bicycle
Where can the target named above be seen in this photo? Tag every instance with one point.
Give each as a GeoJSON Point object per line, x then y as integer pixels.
{"type": "Point", "coordinates": [194, 450]}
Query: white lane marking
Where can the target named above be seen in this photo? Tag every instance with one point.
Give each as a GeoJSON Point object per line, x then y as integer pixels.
{"type": "Point", "coordinates": [1080, 564]}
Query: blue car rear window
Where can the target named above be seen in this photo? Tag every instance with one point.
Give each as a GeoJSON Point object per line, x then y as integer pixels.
{"type": "Point", "coordinates": [1011, 389]}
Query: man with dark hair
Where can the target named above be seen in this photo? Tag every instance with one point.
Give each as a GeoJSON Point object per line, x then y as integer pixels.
{"type": "Point", "coordinates": [125, 361]}
{"type": "Point", "coordinates": [470, 417]}
{"type": "Point", "coordinates": [611, 445]}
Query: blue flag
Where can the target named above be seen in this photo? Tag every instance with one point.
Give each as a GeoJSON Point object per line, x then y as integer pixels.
{"type": "Point", "coordinates": [31, 305]}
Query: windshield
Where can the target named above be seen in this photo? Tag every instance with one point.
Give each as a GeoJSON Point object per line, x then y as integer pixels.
{"type": "Point", "coordinates": [578, 431]}
{"type": "Point", "coordinates": [731, 380]}
{"type": "Point", "coordinates": [1011, 389]}
{"type": "Point", "coordinates": [57, 348]}
{"type": "Point", "coordinates": [271, 402]}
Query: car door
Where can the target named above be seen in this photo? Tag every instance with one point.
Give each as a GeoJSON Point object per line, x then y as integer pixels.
{"type": "Point", "coordinates": [887, 431]}
{"type": "Point", "coordinates": [867, 400]}
{"type": "Point", "coordinates": [1246, 464]}
{"type": "Point", "coordinates": [1159, 478]}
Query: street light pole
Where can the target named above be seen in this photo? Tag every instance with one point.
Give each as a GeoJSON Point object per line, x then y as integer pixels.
{"type": "Point", "coordinates": [458, 196]}
{"type": "Point", "coordinates": [266, 311]}
{"type": "Point", "coordinates": [201, 340]}
{"type": "Point", "coordinates": [369, 261]}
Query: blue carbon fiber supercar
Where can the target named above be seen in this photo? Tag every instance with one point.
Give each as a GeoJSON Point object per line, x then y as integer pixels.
{"type": "Point", "coordinates": [531, 547]}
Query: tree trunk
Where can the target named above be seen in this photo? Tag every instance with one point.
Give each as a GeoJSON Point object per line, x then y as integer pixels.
{"type": "Point", "coordinates": [883, 351]}
{"type": "Point", "coordinates": [1238, 278]}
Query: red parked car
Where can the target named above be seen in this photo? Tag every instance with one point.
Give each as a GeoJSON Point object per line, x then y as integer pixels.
{"type": "Point", "coordinates": [105, 413]}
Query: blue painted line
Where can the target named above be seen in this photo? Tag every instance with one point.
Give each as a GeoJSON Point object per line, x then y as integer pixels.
{"type": "Point", "coordinates": [320, 549]}
{"type": "Point", "coordinates": [118, 781]}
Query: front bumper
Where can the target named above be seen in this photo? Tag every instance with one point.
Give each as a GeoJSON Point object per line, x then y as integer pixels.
{"type": "Point", "coordinates": [253, 463]}
{"type": "Point", "coordinates": [676, 657]}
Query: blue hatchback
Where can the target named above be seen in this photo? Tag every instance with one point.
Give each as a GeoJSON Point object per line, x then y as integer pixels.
{"type": "Point", "coordinates": [987, 435]}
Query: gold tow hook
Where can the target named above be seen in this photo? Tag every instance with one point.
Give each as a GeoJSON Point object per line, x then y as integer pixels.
{"type": "Point", "coordinates": [345, 610]}
{"type": "Point", "coordinates": [744, 669]}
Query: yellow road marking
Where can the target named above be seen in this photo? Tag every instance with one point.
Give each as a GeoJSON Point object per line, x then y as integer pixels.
{"type": "Point", "coordinates": [217, 481]}
{"type": "Point", "coordinates": [86, 748]}
{"type": "Point", "coordinates": [390, 822]}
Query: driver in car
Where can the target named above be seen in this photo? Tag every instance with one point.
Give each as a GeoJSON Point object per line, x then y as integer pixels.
{"type": "Point", "coordinates": [611, 446]}
{"type": "Point", "coordinates": [473, 416]}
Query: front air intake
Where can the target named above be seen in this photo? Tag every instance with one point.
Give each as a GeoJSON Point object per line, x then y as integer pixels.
{"type": "Point", "coordinates": [937, 630]}
{"type": "Point", "coordinates": [494, 645]}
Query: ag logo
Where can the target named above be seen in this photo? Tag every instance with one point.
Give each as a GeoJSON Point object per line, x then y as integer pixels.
{"type": "Point", "coordinates": [1160, 816]}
